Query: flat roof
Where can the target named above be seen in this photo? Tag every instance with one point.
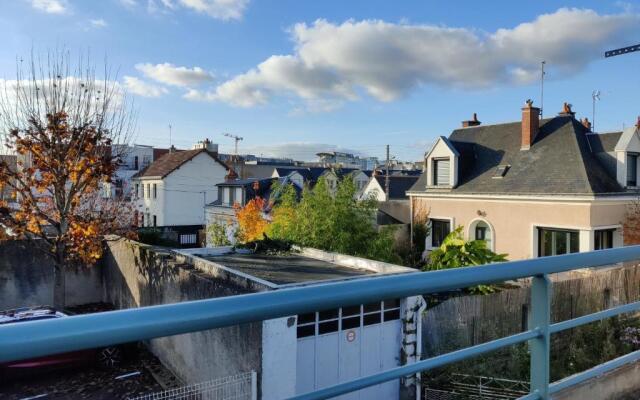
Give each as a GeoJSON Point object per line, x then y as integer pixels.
{"type": "Point", "coordinates": [286, 269]}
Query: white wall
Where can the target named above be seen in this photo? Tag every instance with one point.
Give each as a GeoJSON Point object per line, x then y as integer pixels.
{"type": "Point", "coordinates": [442, 150]}
{"type": "Point", "coordinates": [374, 189]}
{"type": "Point", "coordinates": [279, 358]}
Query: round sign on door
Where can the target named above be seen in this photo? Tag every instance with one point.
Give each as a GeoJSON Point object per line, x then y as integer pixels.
{"type": "Point", "coordinates": [351, 336]}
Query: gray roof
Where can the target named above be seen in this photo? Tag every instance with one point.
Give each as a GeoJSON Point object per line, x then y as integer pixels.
{"type": "Point", "coordinates": [560, 161]}
{"type": "Point", "coordinates": [398, 185]}
{"type": "Point", "coordinates": [286, 269]}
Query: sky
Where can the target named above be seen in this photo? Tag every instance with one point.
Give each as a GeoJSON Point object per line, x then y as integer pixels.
{"type": "Point", "coordinates": [294, 77]}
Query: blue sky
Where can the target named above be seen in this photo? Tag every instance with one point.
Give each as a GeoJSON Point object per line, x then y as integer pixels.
{"type": "Point", "coordinates": [294, 77]}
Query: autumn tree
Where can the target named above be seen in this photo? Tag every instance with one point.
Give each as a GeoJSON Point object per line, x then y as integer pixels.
{"type": "Point", "coordinates": [251, 221]}
{"type": "Point", "coordinates": [67, 129]}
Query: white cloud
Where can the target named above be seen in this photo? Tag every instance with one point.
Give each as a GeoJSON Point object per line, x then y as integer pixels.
{"type": "Point", "coordinates": [388, 61]}
{"type": "Point", "coordinates": [173, 75]}
{"type": "Point", "coordinates": [219, 9]}
{"type": "Point", "coordinates": [142, 88]}
{"type": "Point", "coordinates": [50, 6]}
{"type": "Point", "coordinates": [98, 23]}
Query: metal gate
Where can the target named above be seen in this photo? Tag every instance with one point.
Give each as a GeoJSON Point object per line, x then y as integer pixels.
{"type": "Point", "coordinates": [471, 387]}
{"type": "Point", "coordinates": [342, 344]}
{"type": "Point", "coordinates": [236, 387]}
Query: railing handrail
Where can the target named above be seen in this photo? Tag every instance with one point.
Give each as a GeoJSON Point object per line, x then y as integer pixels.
{"type": "Point", "coordinates": [32, 339]}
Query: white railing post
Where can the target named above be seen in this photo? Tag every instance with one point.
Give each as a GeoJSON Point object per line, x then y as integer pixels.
{"type": "Point", "coordinates": [539, 347]}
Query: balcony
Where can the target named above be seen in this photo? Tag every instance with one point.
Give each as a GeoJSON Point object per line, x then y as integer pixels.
{"type": "Point", "coordinates": [38, 338]}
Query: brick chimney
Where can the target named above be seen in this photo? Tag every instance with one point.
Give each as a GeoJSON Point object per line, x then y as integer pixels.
{"type": "Point", "coordinates": [471, 122]}
{"type": "Point", "coordinates": [638, 123]}
{"type": "Point", "coordinates": [530, 124]}
{"type": "Point", "coordinates": [586, 123]}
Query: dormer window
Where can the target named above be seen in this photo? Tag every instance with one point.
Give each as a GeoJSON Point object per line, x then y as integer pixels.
{"type": "Point", "coordinates": [441, 172]}
{"type": "Point", "coordinates": [632, 169]}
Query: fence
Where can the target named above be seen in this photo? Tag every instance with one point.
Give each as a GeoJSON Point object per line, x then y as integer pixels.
{"type": "Point", "coordinates": [39, 338]}
{"type": "Point", "coordinates": [470, 387]}
{"type": "Point", "coordinates": [237, 387]}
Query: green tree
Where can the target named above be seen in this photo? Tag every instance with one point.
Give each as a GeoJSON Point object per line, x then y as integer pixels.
{"type": "Point", "coordinates": [456, 252]}
{"type": "Point", "coordinates": [339, 222]}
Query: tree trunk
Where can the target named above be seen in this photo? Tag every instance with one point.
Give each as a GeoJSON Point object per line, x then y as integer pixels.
{"type": "Point", "coordinates": [59, 287]}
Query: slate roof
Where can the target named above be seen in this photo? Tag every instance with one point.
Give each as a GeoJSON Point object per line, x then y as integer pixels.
{"type": "Point", "coordinates": [560, 161]}
{"type": "Point", "coordinates": [169, 162]}
{"type": "Point", "coordinates": [398, 185]}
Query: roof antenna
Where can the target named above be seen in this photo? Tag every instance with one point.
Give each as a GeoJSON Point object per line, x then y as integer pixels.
{"type": "Point", "coordinates": [595, 95]}
{"type": "Point", "coordinates": [542, 73]}
{"type": "Point", "coordinates": [170, 135]}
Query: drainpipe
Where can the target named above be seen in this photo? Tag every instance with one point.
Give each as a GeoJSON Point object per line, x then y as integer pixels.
{"type": "Point", "coordinates": [421, 309]}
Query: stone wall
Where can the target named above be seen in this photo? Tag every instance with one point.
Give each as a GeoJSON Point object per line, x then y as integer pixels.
{"type": "Point", "coordinates": [136, 275]}
{"type": "Point", "coordinates": [26, 278]}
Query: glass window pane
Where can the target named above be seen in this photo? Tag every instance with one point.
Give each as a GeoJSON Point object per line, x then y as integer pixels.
{"type": "Point", "coordinates": [372, 307]}
{"type": "Point", "coordinates": [351, 310]}
{"type": "Point", "coordinates": [350, 323]}
{"type": "Point", "coordinates": [371, 319]}
{"type": "Point", "coordinates": [391, 315]}
{"type": "Point", "coordinates": [574, 245]}
{"type": "Point", "coordinates": [306, 318]}
{"type": "Point", "coordinates": [306, 330]}
{"type": "Point", "coordinates": [327, 327]}
{"type": "Point", "coordinates": [328, 314]}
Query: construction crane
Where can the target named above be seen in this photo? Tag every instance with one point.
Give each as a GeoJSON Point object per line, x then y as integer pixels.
{"type": "Point", "coordinates": [237, 139]}
{"type": "Point", "coordinates": [622, 50]}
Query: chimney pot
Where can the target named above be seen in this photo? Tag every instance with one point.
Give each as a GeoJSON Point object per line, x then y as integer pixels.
{"type": "Point", "coordinates": [530, 124]}
{"type": "Point", "coordinates": [638, 123]}
{"type": "Point", "coordinates": [471, 122]}
{"type": "Point", "coordinates": [586, 123]}
{"type": "Point", "coordinates": [566, 110]}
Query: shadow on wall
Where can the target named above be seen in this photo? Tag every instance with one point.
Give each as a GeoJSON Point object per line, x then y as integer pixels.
{"type": "Point", "coordinates": [138, 275]}
{"type": "Point", "coordinates": [26, 278]}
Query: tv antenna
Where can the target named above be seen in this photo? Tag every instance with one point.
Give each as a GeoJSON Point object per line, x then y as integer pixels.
{"type": "Point", "coordinates": [236, 139]}
{"type": "Point", "coordinates": [542, 73]}
{"type": "Point", "coordinates": [595, 96]}
{"type": "Point", "coordinates": [170, 135]}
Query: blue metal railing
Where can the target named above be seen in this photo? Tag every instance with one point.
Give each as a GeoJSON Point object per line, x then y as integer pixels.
{"type": "Point", "coordinates": [38, 338]}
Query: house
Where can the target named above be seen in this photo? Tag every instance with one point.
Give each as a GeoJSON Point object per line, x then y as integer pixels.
{"type": "Point", "coordinates": [394, 208]}
{"type": "Point", "coordinates": [238, 192]}
{"type": "Point", "coordinates": [301, 353]}
{"type": "Point", "coordinates": [530, 188]}
{"type": "Point", "coordinates": [171, 192]}
{"type": "Point", "coordinates": [133, 159]}
{"type": "Point", "coordinates": [347, 160]}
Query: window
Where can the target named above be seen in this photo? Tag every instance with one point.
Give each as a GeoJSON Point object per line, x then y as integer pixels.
{"type": "Point", "coordinates": [146, 160]}
{"type": "Point", "coordinates": [345, 318]}
{"type": "Point", "coordinates": [439, 230]}
{"type": "Point", "coordinates": [552, 242]}
{"type": "Point", "coordinates": [141, 219]}
{"type": "Point", "coordinates": [603, 239]}
{"type": "Point", "coordinates": [632, 170]}
{"type": "Point", "coordinates": [155, 221]}
{"type": "Point", "coordinates": [482, 231]}
{"type": "Point", "coordinates": [441, 175]}
{"type": "Point", "coordinates": [135, 163]}
{"type": "Point", "coordinates": [225, 196]}
{"type": "Point", "coordinates": [137, 190]}
{"type": "Point", "coordinates": [148, 190]}
{"type": "Point", "coordinates": [155, 190]}
{"type": "Point", "coordinates": [238, 196]}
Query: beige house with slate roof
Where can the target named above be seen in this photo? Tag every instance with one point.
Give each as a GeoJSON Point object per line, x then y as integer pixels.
{"type": "Point", "coordinates": [530, 188]}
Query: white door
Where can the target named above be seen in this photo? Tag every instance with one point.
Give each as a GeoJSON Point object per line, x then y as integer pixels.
{"type": "Point", "coordinates": [343, 344]}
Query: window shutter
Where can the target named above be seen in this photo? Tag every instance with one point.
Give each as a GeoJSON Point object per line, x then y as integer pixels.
{"type": "Point", "coordinates": [442, 174]}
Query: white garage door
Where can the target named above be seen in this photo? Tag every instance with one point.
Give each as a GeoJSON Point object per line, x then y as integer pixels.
{"type": "Point", "coordinates": [342, 344]}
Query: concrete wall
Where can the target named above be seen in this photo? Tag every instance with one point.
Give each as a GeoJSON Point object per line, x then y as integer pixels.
{"type": "Point", "coordinates": [620, 384]}
{"type": "Point", "coordinates": [138, 276]}
{"type": "Point", "coordinates": [26, 278]}
{"type": "Point", "coordinates": [515, 221]}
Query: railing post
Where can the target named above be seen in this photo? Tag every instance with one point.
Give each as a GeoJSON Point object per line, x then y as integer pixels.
{"type": "Point", "coordinates": [539, 347]}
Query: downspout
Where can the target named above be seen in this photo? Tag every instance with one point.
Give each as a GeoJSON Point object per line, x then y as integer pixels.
{"type": "Point", "coordinates": [421, 309]}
